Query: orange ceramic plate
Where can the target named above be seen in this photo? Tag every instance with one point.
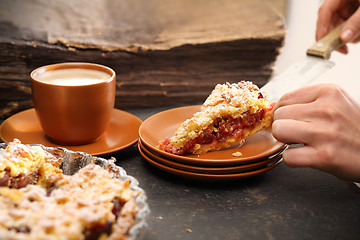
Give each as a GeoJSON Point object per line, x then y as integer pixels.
{"type": "Point", "coordinates": [212, 170]}
{"type": "Point", "coordinates": [210, 177]}
{"type": "Point", "coordinates": [164, 124]}
{"type": "Point", "coordinates": [121, 133]}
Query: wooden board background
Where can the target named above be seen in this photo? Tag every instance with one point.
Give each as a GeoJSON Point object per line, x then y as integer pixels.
{"type": "Point", "coordinates": [164, 52]}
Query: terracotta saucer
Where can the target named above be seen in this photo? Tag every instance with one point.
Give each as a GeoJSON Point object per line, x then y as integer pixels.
{"type": "Point", "coordinates": [121, 133]}
{"type": "Point", "coordinates": [212, 170]}
{"type": "Point", "coordinates": [208, 176]}
{"type": "Point", "coordinates": [164, 124]}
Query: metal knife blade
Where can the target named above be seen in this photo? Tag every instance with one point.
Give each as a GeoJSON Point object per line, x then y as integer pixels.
{"type": "Point", "coordinates": [303, 72]}
{"type": "Point", "coordinates": [298, 75]}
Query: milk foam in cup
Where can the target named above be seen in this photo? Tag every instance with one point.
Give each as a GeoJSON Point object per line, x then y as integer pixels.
{"type": "Point", "coordinates": [73, 77]}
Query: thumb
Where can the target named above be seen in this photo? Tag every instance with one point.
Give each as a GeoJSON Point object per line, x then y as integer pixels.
{"type": "Point", "coordinates": [351, 29]}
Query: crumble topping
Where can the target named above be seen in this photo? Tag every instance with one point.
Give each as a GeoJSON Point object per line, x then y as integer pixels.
{"type": "Point", "coordinates": [242, 95]}
{"type": "Point", "coordinates": [79, 204]}
{"type": "Point", "coordinates": [91, 204]}
{"type": "Point", "coordinates": [225, 100]}
{"type": "Point", "coordinates": [19, 161]}
{"type": "Point", "coordinates": [237, 154]}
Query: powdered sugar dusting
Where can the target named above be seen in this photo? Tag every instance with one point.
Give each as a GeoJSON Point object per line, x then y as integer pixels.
{"type": "Point", "coordinates": [225, 100]}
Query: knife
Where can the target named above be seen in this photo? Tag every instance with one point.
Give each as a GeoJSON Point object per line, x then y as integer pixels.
{"type": "Point", "coordinates": [307, 69]}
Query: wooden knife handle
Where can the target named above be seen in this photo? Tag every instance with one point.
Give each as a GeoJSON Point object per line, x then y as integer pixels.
{"type": "Point", "coordinates": [327, 44]}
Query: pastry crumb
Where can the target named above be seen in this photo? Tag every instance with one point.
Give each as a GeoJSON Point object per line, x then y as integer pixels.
{"type": "Point", "coordinates": [237, 154]}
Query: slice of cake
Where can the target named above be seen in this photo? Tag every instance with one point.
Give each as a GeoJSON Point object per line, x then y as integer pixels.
{"type": "Point", "coordinates": [230, 114]}
{"type": "Point", "coordinates": [21, 165]}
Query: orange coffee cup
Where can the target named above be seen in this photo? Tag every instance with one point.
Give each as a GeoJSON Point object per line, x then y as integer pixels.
{"type": "Point", "coordinates": [74, 101]}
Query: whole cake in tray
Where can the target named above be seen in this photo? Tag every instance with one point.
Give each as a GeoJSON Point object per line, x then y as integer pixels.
{"type": "Point", "coordinates": [231, 113]}
{"type": "Point", "coordinates": [90, 204]}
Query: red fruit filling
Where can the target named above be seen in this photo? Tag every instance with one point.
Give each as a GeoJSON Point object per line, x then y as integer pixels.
{"type": "Point", "coordinates": [98, 230]}
{"type": "Point", "coordinates": [219, 133]}
{"type": "Point", "coordinates": [19, 181]}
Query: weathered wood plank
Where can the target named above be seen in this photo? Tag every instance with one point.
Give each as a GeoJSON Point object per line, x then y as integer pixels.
{"type": "Point", "coordinates": [172, 53]}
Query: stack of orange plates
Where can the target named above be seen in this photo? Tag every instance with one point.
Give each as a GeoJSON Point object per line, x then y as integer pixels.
{"type": "Point", "coordinates": [259, 153]}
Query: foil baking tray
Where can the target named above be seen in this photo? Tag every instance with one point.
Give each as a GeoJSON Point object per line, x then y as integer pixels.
{"type": "Point", "coordinates": [73, 161]}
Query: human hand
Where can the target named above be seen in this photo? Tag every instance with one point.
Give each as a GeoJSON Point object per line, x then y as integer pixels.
{"type": "Point", "coordinates": [326, 120]}
{"type": "Point", "coordinates": [332, 13]}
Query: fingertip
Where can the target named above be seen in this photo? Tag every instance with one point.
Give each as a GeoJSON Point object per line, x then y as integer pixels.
{"type": "Point", "coordinates": [272, 109]}
{"type": "Point", "coordinates": [288, 159]}
{"type": "Point", "coordinates": [298, 156]}
{"type": "Point", "coordinates": [344, 50]}
{"type": "Point", "coordinates": [347, 35]}
{"type": "Point", "coordinates": [351, 30]}
{"type": "Point", "coordinates": [275, 129]}
{"type": "Point", "coordinates": [272, 105]}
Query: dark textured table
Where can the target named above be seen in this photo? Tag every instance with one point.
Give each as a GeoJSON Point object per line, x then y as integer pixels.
{"type": "Point", "coordinates": [283, 203]}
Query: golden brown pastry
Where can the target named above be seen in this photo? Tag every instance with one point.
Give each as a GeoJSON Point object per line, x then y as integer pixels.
{"type": "Point", "coordinates": [24, 164]}
{"type": "Point", "coordinates": [231, 113]}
